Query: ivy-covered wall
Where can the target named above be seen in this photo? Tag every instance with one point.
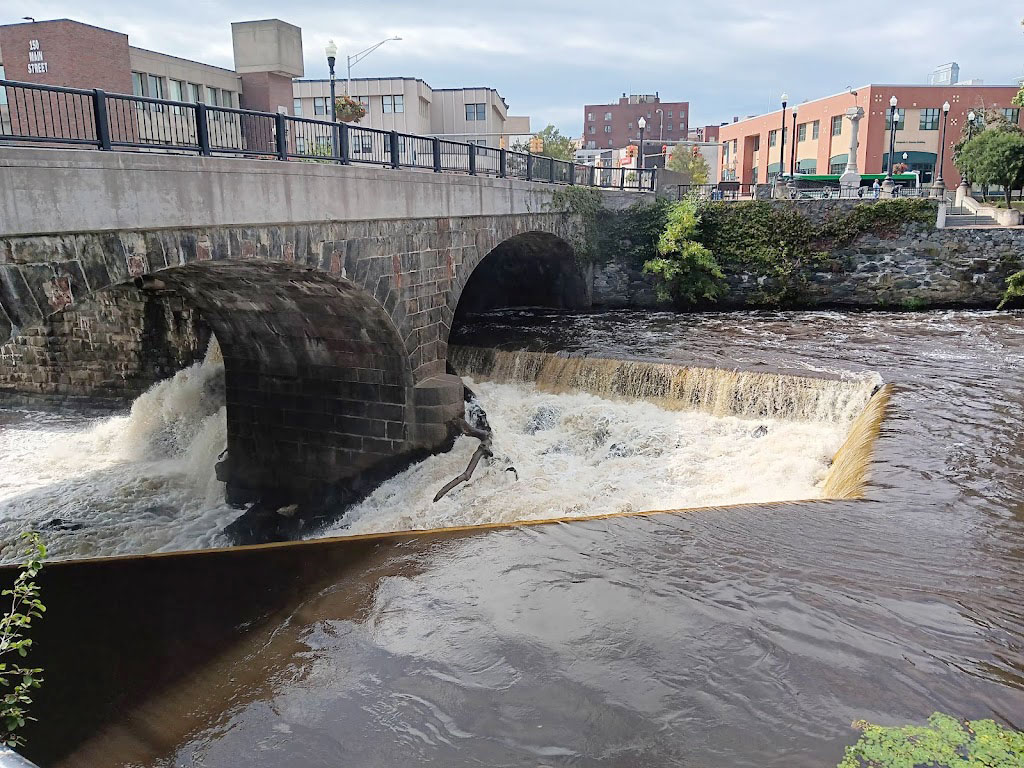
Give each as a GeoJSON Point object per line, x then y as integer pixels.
{"type": "Point", "coordinates": [812, 253]}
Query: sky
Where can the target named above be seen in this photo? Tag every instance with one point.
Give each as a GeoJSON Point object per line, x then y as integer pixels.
{"type": "Point", "coordinates": [549, 58]}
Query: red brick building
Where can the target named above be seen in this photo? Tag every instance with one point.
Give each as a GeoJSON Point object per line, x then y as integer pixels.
{"type": "Point", "coordinates": [753, 152]}
{"type": "Point", "coordinates": [615, 125]}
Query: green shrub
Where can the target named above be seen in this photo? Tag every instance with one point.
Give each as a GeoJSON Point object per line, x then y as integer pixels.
{"type": "Point", "coordinates": [687, 270]}
{"type": "Point", "coordinates": [18, 681]}
{"type": "Point", "coordinates": [1014, 296]}
{"type": "Point", "coordinates": [945, 743]}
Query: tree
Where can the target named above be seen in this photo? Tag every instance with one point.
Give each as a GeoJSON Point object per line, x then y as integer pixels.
{"type": "Point", "coordinates": [556, 145]}
{"type": "Point", "coordinates": [692, 165]}
{"type": "Point", "coordinates": [689, 273]}
{"type": "Point", "coordinates": [995, 156]}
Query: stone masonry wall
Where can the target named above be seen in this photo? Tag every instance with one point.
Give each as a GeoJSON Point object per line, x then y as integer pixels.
{"type": "Point", "coordinates": [918, 268]}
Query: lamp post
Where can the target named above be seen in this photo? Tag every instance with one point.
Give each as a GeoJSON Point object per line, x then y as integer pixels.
{"type": "Point", "coordinates": [962, 190]}
{"type": "Point", "coordinates": [661, 136]}
{"type": "Point", "coordinates": [355, 59]}
{"type": "Point", "coordinates": [792, 152]}
{"type": "Point", "coordinates": [938, 185]}
{"type": "Point", "coordinates": [332, 53]}
{"type": "Point", "coordinates": [888, 185]}
{"type": "Point", "coordinates": [782, 139]}
{"type": "Point", "coordinates": [641, 123]}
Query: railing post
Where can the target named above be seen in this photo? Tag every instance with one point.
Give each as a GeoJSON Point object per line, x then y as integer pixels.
{"type": "Point", "coordinates": [529, 166]}
{"type": "Point", "coordinates": [396, 160]}
{"type": "Point", "coordinates": [503, 163]}
{"type": "Point", "coordinates": [572, 173]}
{"type": "Point", "coordinates": [622, 178]}
{"type": "Point", "coordinates": [654, 176]}
{"type": "Point", "coordinates": [282, 136]}
{"type": "Point", "coordinates": [472, 159]}
{"type": "Point", "coordinates": [437, 155]}
{"type": "Point", "coordinates": [99, 113]}
{"type": "Point", "coordinates": [592, 173]}
{"type": "Point", "coordinates": [202, 130]}
{"type": "Point", "coordinates": [336, 142]}
{"type": "Point", "coordinates": [346, 148]}
{"type": "Point", "coordinates": [551, 170]}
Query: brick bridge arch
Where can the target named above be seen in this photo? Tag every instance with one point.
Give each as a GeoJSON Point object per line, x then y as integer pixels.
{"type": "Point", "coordinates": [334, 334]}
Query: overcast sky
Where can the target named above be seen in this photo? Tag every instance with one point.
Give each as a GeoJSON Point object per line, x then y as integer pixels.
{"type": "Point", "coordinates": [550, 57]}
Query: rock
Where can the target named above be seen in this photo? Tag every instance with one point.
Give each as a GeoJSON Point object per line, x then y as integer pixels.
{"type": "Point", "coordinates": [761, 431]}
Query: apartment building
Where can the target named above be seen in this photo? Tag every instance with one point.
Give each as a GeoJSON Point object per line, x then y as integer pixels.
{"type": "Point", "coordinates": [267, 61]}
{"type": "Point", "coordinates": [615, 125]}
{"type": "Point", "coordinates": [409, 105]}
{"type": "Point", "coordinates": [754, 150]}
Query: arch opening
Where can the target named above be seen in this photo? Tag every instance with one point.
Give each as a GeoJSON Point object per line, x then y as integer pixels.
{"type": "Point", "coordinates": [533, 269]}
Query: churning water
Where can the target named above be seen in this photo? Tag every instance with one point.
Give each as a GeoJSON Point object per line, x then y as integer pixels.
{"type": "Point", "coordinates": [573, 437]}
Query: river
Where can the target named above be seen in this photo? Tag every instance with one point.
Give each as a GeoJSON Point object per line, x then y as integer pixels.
{"type": "Point", "coordinates": [746, 636]}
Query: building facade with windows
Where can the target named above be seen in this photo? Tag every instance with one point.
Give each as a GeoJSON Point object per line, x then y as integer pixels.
{"type": "Point", "coordinates": [409, 105]}
{"type": "Point", "coordinates": [615, 125]}
{"type": "Point", "coordinates": [751, 148]}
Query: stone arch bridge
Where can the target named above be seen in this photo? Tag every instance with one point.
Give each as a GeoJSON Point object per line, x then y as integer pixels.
{"type": "Point", "coordinates": [331, 290]}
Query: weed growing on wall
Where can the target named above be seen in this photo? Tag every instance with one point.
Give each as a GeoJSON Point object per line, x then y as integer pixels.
{"type": "Point", "coordinates": [1014, 296]}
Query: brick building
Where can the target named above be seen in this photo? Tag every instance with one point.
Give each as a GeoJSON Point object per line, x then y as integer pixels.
{"type": "Point", "coordinates": [616, 125]}
{"type": "Point", "coordinates": [751, 148]}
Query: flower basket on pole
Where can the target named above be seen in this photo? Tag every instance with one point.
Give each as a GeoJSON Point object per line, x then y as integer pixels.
{"type": "Point", "coordinates": [348, 109]}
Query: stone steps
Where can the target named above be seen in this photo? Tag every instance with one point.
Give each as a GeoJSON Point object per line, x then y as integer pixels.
{"type": "Point", "coordinates": [969, 220]}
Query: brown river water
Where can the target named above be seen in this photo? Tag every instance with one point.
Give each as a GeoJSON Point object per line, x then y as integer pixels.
{"type": "Point", "coordinates": [738, 636]}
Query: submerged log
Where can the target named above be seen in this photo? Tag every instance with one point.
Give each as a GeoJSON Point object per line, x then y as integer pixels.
{"type": "Point", "coordinates": [482, 451]}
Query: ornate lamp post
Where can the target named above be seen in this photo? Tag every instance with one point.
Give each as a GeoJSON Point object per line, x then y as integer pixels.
{"type": "Point", "coordinates": [642, 124]}
{"type": "Point", "coordinates": [962, 190]}
{"type": "Point", "coordinates": [332, 53]}
{"type": "Point", "coordinates": [888, 185]}
{"type": "Point", "coordinates": [938, 185]}
{"type": "Point", "coordinates": [661, 112]}
{"type": "Point", "coordinates": [792, 155]}
{"type": "Point", "coordinates": [782, 138]}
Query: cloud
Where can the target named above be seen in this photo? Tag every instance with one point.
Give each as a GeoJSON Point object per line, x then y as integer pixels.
{"type": "Point", "coordinates": [731, 57]}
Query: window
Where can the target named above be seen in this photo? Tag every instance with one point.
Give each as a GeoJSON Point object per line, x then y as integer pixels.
{"type": "Point", "coordinates": [607, 115]}
{"type": "Point", "coordinates": [297, 107]}
{"type": "Point", "coordinates": [773, 138]}
{"type": "Point", "coordinates": [609, 142]}
{"type": "Point", "coordinates": [837, 168]}
{"type": "Point", "coordinates": [669, 114]}
{"type": "Point", "coordinates": [475, 112]}
{"type": "Point", "coordinates": [590, 116]}
{"type": "Point", "coordinates": [3, 91]}
{"type": "Point", "coordinates": [801, 132]}
{"type": "Point", "coordinates": [668, 127]}
{"type": "Point", "coordinates": [901, 118]}
{"type": "Point", "coordinates": [1012, 114]}
{"type": "Point", "coordinates": [608, 129]}
{"type": "Point", "coordinates": [364, 102]}
{"type": "Point", "coordinates": [753, 175]}
{"type": "Point", "coordinates": [319, 105]}
{"type": "Point", "coordinates": [177, 90]}
{"type": "Point", "coordinates": [649, 116]}
{"type": "Point", "coordinates": [930, 119]}
{"type": "Point", "coordinates": [194, 94]}
{"type": "Point", "coordinates": [155, 86]}
{"type": "Point", "coordinates": [814, 130]}
{"type": "Point", "coordinates": [837, 126]}
{"type": "Point", "coordinates": [630, 126]}
{"type": "Point", "coordinates": [212, 96]}
{"type": "Point", "coordinates": [478, 142]}
{"type": "Point", "coordinates": [757, 143]}
{"type": "Point", "coordinates": [394, 104]}
{"type": "Point", "coordinates": [591, 129]}
{"type": "Point", "coordinates": [137, 87]}
{"type": "Point", "coordinates": [725, 152]}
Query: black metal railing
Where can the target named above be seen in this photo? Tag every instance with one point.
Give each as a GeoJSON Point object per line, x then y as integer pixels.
{"type": "Point", "coordinates": [51, 116]}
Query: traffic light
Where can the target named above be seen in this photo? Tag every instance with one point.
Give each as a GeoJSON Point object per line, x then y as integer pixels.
{"type": "Point", "coordinates": [536, 144]}
{"type": "Point", "coordinates": [630, 151]}
{"type": "Point", "coordinates": [503, 142]}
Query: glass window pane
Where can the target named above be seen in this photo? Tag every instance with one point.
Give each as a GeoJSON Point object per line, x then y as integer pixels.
{"type": "Point", "coordinates": [194, 94]}
{"type": "Point", "coordinates": [3, 91]}
{"type": "Point", "coordinates": [137, 88]}
{"type": "Point", "coordinates": [319, 105]}
{"type": "Point", "coordinates": [297, 107]}
{"type": "Point", "coordinates": [399, 103]}
{"type": "Point", "coordinates": [470, 112]}
{"type": "Point", "coordinates": [386, 104]}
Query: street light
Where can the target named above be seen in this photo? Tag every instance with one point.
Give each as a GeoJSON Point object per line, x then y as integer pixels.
{"type": "Point", "coordinates": [888, 184]}
{"type": "Point", "coordinates": [353, 60]}
{"type": "Point", "coordinates": [332, 52]}
{"type": "Point", "coordinates": [939, 185]}
{"type": "Point", "coordinates": [792, 152]}
{"type": "Point", "coordinates": [642, 124]}
{"type": "Point", "coordinates": [782, 147]}
{"type": "Point", "coordinates": [661, 112]}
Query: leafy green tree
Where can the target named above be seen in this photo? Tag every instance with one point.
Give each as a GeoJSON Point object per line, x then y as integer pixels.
{"type": "Point", "coordinates": [693, 166]}
{"type": "Point", "coordinates": [688, 271]}
{"type": "Point", "coordinates": [945, 743]}
{"type": "Point", "coordinates": [556, 145]}
{"type": "Point", "coordinates": [995, 156]}
{"type": "Point", "coordinates": [17, 681]}
{"type": "Point", "coordinates": [1014, 296]}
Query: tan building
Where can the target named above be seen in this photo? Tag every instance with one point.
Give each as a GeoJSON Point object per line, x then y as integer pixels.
{"type": "Point", "coordinates": [409, 105]}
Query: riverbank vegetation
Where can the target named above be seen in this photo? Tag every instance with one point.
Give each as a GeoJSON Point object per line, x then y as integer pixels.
{"type": "Point", "coordinates": [702, 243]}
{"type": "Point", "coordinates": [17, 681]}
{"type": "Point", "coordinates": [945, 742]}
{"type": "Point", "coordinates": [1014, 296]}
